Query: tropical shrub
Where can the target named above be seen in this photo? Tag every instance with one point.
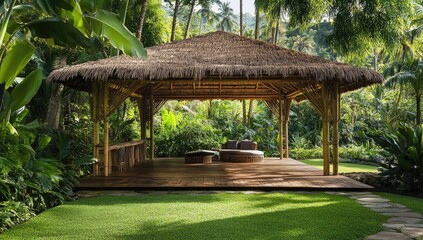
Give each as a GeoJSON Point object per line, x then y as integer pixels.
{"type": "Point", "coordinates": [403, 167]}
{"type": "Point", "coordinates": [12, 213]}
{"type": "Point", "coordinates": [188, 135]}
{"type": "Point", "coordinates": [350, 153]}
{"type": "Point", "coordinates": [35, 171]}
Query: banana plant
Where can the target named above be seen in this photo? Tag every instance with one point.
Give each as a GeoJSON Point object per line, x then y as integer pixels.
{"type": "Point", "coordinates": [14, 55]}
{"type": "Point", "coordinates": [64, 23]}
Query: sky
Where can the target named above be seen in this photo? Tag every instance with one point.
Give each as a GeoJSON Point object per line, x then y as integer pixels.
{"type": "Point", "coordinates": [248, 5]}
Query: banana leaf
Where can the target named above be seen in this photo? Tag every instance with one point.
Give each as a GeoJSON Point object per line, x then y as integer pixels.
{"type": "Point", "coordinates": [62, 33]}
{"type": "Point", "coordinates": [15, 61]}
{"type": "Point", "coordinates": [108, 25]}
{"type": "Point", "coordinates": [26, 90]}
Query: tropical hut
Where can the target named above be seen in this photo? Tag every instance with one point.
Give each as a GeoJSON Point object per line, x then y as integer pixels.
{"type": "Point", "coordinates": [219, 65]}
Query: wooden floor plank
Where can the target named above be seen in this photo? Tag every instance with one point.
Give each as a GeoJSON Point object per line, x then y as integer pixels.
{"type": "Point", "coordinates": [173, 173]}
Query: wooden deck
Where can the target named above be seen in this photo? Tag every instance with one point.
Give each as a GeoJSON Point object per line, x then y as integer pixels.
{"type": "Point", "coordinates": [172, 173]}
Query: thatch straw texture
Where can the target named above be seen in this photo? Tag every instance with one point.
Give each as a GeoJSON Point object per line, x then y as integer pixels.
{"type": "Point", "coordinates": [219, 55]}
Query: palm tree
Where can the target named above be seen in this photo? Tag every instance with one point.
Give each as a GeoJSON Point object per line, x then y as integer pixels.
{"type": "Point", "coordinates": [273, 11]}
{"type": "Point", "coordinates": [240, 17]}
{"type": "Point", "coordinates": [176, 7]}
{"type": "Point", "coordinates": [227, 18]}
{"type": "Point", "coordinates": [142, 18]}
{"type": "Point", "coordinates": [256, 29]}
{"type": "Point", "coordinates": [191, 13]}
{"type": "Point", "coordinates": [411, 73]}
{"type": "Point", "coordinates": [302, 42]}
{"type": "Point", "coordinates": [207, 14]}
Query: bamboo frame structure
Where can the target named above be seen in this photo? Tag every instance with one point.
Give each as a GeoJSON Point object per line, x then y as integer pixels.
{"type": "Point", "coordinates": [107, 168]}
{"type": "Point", "coordinates": [151, 126]}
{"type": "Point", "coordinates": [280, 118]}
{"type": "Point", "coordinates": [96, 127]}
{"type": "Point", "coordinates": [286, 120]}
{"type": "Point", "coordinates": [242, 69]}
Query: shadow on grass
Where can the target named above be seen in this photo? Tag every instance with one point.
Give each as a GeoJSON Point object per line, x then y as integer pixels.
{"type": "Point", "coordinates": [261, 200]}
{"type": "Point", "coordinates": [310, 223]}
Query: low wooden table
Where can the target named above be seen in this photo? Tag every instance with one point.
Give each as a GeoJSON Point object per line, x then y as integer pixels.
{"type": "Point", "coordinates": [199, 156]}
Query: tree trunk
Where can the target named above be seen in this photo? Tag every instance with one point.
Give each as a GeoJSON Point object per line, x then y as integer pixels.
{"type": "Point", "coordinates": [277, 27]}
{"type": "Point", "coordinates": [175, 16]}
{"type": "Point", "coordinates": [191, 13]}
{"type": "Point", "coordinates": [418, 109]}
{"type": "Point", "coordinates": [273, 34]}
{"type": "Point", "coordinates": [67, 112]}
{"type": "Point", "coordinates": [142, 18]}
{"type": "Point", "coordinates": [256, 30]}
{"type": "Point", "coordinates": [276, 32]}
{"type": "Point", "coordinates": [244, 112]}
{"type": "Point", "coordinates": [54, 106]}
{"type": "Point", "coordinates": [240, 17]}
{"type": "Point", "coordinates": [250, 110]}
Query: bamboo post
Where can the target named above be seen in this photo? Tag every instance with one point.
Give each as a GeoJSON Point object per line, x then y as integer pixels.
{"type": "Point", "coordinates": [336, 116]}
{"type": "Point", "coordinates": [280, 128]}
{"type": "Point", "coordinates": [143, 125]}
{"type": "Point", "coordinates": [325, 130]}
{"type": "Point", "coordinates": [106, 129]}
{"type": "Point", "coordinates": [151, 127]}
{"type": "Point", "coordinates": [96, 127]}
{"type": "Point", "coordinates": [287, 108]}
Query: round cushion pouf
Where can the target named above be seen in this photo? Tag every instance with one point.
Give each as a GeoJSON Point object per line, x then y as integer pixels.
{"type": "Point", "coordinates": [199, 156]}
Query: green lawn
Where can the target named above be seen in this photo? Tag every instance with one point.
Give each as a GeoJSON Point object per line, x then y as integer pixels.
{"type": "Point", "coordinates": [343, 167]}
{"type": "Point", "coordinates": [215, 216]}
{"type": "Point", "coordinates": [415, 204]}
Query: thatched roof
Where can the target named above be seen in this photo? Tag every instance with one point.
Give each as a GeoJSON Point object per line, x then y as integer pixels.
{"type": "Point", "coordinates": [221, 58]}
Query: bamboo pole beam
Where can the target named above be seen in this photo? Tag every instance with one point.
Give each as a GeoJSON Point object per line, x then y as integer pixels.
{"type": "Point", "coordinates": [325, 130]}
{"type": "Point", "coordinates": [268, 87]}
{"type": "Point", "coordinates": [280, 127]}
{"type": "Point", "coordinates": [213, 79]}
{"type": "Point", "coordinates": [106, 129]}
{"type": "Point", "coordinates": [96, 126]}
{"type": "Point", "coordinates": [287, 109]}
{"type": "Point", "coordinates": [141, 110]}
{"type": "Point", "coordinates": [236, 96]}
{"type": "Point", "coordinates": [335, 127]}
{"type": "Point", "coordinates": [151, 127]}
{"type": "Point", "coordinates": [119, 88]}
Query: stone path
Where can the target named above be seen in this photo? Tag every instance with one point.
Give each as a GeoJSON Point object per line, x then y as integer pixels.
{"type": "Point", "coordinates": [403, 224]}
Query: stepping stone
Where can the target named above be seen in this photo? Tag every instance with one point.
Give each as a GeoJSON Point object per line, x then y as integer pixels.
{"type": "Point", "coordinates": [360, 193]}
{"type": "Point", "coordinates": [412, 232]}
{"type": "Point", "coordinates": [390, 210]}
{"type": "Point", "coordinates": [403, 214]}
{"type": "Point", "coordinates": [363, 196]}
{"type": "Point", "coordinates": [386, 235]}
{"type": "Point", "coordinates": [373, 200]}
{"type": "Point", "coordinates": [404, 220]}
{"type": "Point", "coordinates": [398, 205]}
{"type": "Point", "coordinates": [395, 226]}
{"type": "Point", "coordinates": [416, 225]}
{"type": "Point", "coordinates": [378, 205]}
